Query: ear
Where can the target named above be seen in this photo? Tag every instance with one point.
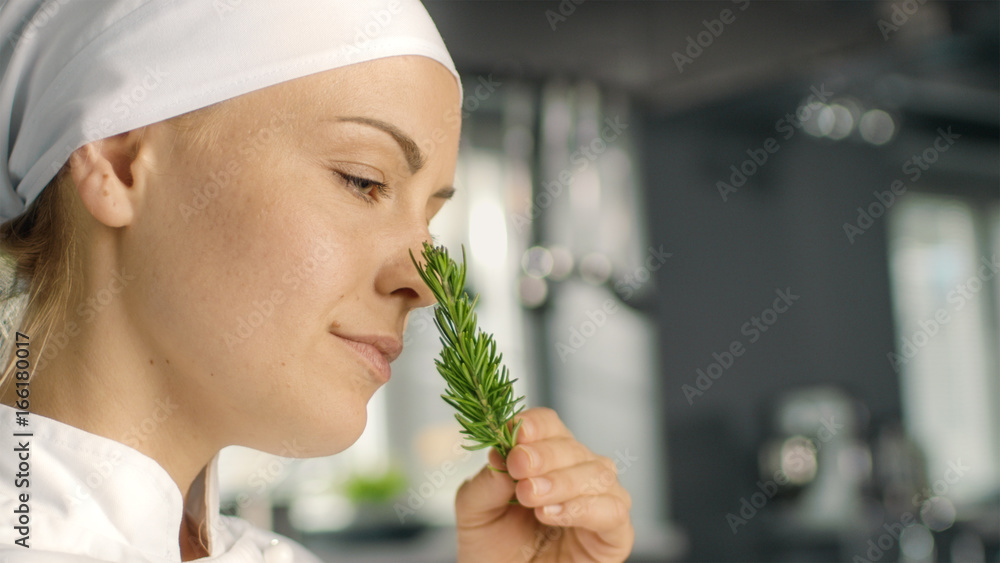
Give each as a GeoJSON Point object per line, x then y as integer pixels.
{"type": "Point", "coordinates": [102, 172]}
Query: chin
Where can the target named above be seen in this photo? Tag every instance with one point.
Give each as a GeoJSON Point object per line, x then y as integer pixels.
{"type": "Point", "coordinates": [325, 434]}
{"type": "Point", "coordinates": [323, 416]}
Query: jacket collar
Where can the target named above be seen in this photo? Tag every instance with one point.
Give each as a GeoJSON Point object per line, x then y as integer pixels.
{"type": "Point", "coordinates": [97, 497]}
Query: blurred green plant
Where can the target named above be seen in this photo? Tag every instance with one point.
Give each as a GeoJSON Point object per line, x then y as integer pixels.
{"type": "Point", "coordinates": [383, 488]}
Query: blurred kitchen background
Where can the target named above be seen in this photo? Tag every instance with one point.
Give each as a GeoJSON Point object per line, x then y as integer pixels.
{"type": "Point", "coordinates": [746, 249]}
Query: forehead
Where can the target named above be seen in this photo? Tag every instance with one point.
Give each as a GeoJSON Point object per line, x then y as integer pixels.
{"type": "Point", "coordinates": [416, 94]}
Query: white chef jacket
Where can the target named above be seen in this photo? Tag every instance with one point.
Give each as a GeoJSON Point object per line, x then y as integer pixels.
{"type": "Point", "coordinates": [94, 499]}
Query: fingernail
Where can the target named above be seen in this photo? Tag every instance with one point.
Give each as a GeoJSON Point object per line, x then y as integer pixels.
{"type": "Point", "coordinates": [540, 485]}
{"type": "Point", "coordinates": [532, 457]}
{"type": "Point", "coordinates": [552, 509]}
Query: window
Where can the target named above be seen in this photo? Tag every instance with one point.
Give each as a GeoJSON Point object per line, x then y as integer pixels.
{"type": "Point", "coordinates": [943, 254]}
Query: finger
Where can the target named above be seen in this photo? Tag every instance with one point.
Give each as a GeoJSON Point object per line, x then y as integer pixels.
{"type": "Point", "coordinates": [537, 458]}
{"type": "Point", "coordinates": [590, 478]}
{"type": "Point", "coordinates": [540, 423]}
{"type": "Point", "coordinates": [603, 514]}
{"type": "Point", "coordinates": [483, 498]}
{"type": "Point", "coordinates": [496, 460]}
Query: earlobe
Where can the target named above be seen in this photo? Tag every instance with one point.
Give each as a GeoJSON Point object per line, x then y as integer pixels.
{"type": "Point", "coordinates": [104, 181]}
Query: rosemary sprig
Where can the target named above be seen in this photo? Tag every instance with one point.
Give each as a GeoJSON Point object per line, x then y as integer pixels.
{"type": "Point", "coordinates": [479, 387]}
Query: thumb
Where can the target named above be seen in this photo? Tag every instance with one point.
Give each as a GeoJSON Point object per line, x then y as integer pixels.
{"type": "Point", "coordinates": [485, 497]}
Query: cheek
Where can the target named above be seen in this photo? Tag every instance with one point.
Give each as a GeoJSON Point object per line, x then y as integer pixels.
{"type": "Point", "coordinates": [245, 285]}
{"type": "Point", "coordinates": [240, 298]}
{"type": "Point", "coordinates": [239, 269]}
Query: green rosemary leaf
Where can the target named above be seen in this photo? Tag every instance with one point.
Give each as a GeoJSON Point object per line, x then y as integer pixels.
{"type": "Point", "coordinates": [479, 387]}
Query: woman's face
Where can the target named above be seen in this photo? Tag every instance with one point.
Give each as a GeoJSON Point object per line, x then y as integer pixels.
{"type": "Point", "coordinates": [259, 256]}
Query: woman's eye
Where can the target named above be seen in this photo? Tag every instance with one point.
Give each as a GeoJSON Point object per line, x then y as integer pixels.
{"type": "Point", "coordinates": [364, 186]}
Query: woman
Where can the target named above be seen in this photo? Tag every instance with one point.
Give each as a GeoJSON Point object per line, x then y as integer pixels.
{"type": "Point", "coordinates": [195, 157]}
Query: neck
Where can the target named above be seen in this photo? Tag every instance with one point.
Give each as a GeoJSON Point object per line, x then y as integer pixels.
{"type": "Point", "coordinates": [112, 386]}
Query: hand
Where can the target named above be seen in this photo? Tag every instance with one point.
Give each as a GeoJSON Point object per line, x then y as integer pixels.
{"type": "Point", "coordinates": [582, 517]}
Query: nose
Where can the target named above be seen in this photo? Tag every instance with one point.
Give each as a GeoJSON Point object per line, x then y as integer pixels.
{"type": "Point", "coordinates": [401, 278]}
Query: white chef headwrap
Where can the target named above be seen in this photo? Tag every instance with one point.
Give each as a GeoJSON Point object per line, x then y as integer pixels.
{"type": "Point", "coordinates": [75, 71]}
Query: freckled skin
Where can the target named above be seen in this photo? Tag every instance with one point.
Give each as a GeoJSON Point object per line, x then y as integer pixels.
{"type": "Point", "coordinates": [241, 288]}
{"type": "Point", "coordinates": [200, 277]}
{"type": "Point", "coordinates": [285, 243]}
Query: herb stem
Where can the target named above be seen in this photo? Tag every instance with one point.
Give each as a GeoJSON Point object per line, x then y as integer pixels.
{"type": "Point", "coordinates": [478, 385]}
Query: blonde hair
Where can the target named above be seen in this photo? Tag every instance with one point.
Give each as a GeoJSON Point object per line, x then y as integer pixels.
{"type": "Point", "coordinates": [40, 255]}
{"type": "Point", "coordinates": [40, 266]}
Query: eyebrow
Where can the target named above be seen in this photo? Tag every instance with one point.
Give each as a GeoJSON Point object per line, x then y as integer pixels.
{"type": "Point", "coordinates": [414, 158]}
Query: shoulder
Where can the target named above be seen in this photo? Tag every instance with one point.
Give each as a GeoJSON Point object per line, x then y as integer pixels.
{"type": "Point", "coordinates": [241, 541]}
{"type": "Point", "coordinates": [272, 545]}
{"type": "Point", "coordinates": [20, 555]}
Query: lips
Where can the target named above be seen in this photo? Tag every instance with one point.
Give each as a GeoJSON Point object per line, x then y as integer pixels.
{"type": "Point", "coordinates": [377, 351]}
